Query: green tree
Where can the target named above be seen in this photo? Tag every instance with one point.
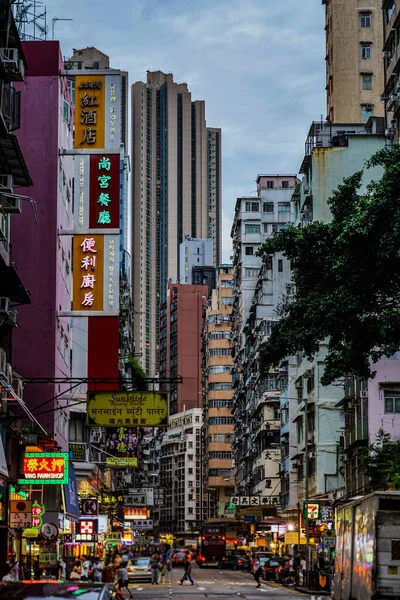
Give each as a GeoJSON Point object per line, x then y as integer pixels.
{"type": "Point", "coordinates": [139, 377]}
{"type": "Point", "coordinates": [381, 462]}
{"type": "Point", "coordinates": [347, 278]}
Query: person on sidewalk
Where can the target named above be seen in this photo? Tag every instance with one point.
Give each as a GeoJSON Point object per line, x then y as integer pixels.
{"type": "Point", "coordinates": [155, 570]}
{"type": "Point", "coordinates": [257, 571]}
{"type": "Point", "coordinates": [188, 567]}
{"type": "Point", "coordinates": [123, 580]}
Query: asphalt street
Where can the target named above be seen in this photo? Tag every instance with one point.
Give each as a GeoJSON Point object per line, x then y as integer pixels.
{"type": "Point", "coordinates": [215, 585]}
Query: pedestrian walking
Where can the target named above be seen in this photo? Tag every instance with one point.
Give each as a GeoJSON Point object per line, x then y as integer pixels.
{"type": "Point", "coordinates": [188, 568]}
{"type": "Point", "coordinates": [155, 569]}
{"type": "Point", "coordinates": [123, 580]}
{"type": "Point", "coordinates": [97, 570]}
{"type": "Point", "coordinates": [86, 567]}
{"type": "Point", "coordinates": [257, 571]}
{"type": "Point", "coordinates": [163, 567]}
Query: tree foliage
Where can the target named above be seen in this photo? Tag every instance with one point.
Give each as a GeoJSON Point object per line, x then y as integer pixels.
{"type": "Point", "coordinates": [381, 462]}
{"type": "Point", "coordinates": [346, 276]}
{"type": "Point", "coordinates": [139, 377]}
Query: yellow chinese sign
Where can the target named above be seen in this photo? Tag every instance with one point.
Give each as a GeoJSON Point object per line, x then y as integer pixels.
{"type": "Point", "coordinates": [88, 274]}
{"type": "Point", "coordinates": [292, 537]}
{"type": "Point", "coordinates": [144, 409]}
{"type": "Point", "coordinates": [89, 111]}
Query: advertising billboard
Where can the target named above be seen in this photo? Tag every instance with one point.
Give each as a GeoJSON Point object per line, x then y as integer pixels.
{"type": "Point", "coordinates": [111, 409]}
{"type": "Point", "coordinates": [45, 468]}
{"type": "Point", "coordinates": [135, 514]}
{"type": "Point", "coordinates": [121, 447]}
{"type": "Point", "coordinates": [89, 111]}
{"type": "Point", "coordinates": [88, 273]}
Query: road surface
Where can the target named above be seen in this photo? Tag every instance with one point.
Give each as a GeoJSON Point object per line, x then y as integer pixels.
{"type": "Point", "coordinates": [213, 584]}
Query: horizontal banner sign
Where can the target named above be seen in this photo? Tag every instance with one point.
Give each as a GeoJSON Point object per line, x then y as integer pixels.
{"type": "Point", "coordinates": [254, 500]}
{"type": "Point", "coordinates": [112, 409]}
{"type": "Point", "coordinates": [44, 468]}
{"type": "Point", "coordinates": [141, 524]}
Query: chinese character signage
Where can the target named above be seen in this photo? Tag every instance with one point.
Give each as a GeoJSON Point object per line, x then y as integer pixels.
{"type": "Point", "coordinates": [77, 451]}
{"type": "Point", "coordinates": [89, 112]}
{"type": "Point", "coordinates": [104, 191]}
{"type": "Point", "coordinates": [88, 275]}
{"type": "Point", "coordinates": [37, 515]}
{"type": "Point", "coordinates": [111, 409]}
{"type": "Point", "coordinates": [121, 447]}
{"type": "Point", "coordinates": [136, 500]}
{"type": "Point", "coordinates": [244, 501]}
{"type": "Point", "coordinates": [131, 513]}
{"type": "Point", "coordinates": [45, 468]}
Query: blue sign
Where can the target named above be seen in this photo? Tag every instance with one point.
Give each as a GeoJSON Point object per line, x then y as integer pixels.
{"type": "Point", "coordinates": [72, 511]}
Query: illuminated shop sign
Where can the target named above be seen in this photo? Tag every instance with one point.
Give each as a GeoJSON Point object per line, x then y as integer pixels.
{"type": "Point", "coordinates": [89, 111]}
{"type": "Point", "coordinates": [37, 515]}
{"type": "Point", "coordinates": [104, 191]}
{"type": "Point", "coordinates": [88, 275]}
{"type": "Point", "coordinates": [45, 468]}
{"type": "Point", "coordinates": [121, 447]}
{"type": "Point", "coordinates": [132, 513]}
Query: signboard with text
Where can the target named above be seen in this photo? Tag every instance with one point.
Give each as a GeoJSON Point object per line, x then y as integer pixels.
{"type": "Point", "coordinates": [132, 514]}
{"type": "Point", "coordinates": [254, 501]}
{"type": "Point", "coordinates": [121, 447]}
{"type": "Point", "coordinates": [110, 409]}
{"type": "Point", "coordinates": [313, 510]}
{"type": "Point", "coordinates": [104, 191]}
{"type": "Point", "coordinates": [89, 112]}
{"type": "Point", "coordinates": [45, 468]}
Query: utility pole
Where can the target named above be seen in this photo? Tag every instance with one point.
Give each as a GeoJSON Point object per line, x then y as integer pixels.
{"type": "Point", "coordinates": [306, 486]}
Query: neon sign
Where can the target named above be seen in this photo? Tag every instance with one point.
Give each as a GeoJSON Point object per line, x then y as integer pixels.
{"type": "Point", "coordinates": [104, 191]}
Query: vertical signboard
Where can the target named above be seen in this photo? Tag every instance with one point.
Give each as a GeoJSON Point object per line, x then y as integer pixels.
{"type": "Point", "coordinates": [104, 191]}
{"type": "Point", "coordinates": [88, 275]}
{"type": "Point", "coordinates": [89, 112]}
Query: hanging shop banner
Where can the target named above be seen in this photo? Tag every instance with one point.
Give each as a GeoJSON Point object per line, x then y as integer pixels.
{"type": "Point", "coordinates": [104, 191]}
{"type": "Point", "coordinates": [254, 501]}
{"type": "Point", "coordinates": [121, 447]}
{"type": "Point", "coordinates": [88, 273]}
{"type": "Point", "coordinates": [71, 497]}
{"type": "Point", "coordinates": [141, 525]}
{"type": "Point", "coordinates": [110, 409]}
{"type": "Point", "coordinates": [145, 491]}
{"type": "Point", "coordinates": [112, 137]}
{"type": "Point", "coordinates": [45, 468]}
{"type": "Point", "coordinates": [132, 514]}
{"type": "Point", "coordinates": [82, 178]}
{"type": "Point", "coordinates": [313, 510]}
{"type": "Point", "coordinates": [90, 107]}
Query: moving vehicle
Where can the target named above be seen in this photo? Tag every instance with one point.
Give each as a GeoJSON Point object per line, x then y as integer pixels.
{"type": "Point", "coordinates": [139, 568]}
{"type": "Point", "coordinates": [235, 560]}
{"type": "Point", "coordinates": [178, 558]}
{"type": "Point", "coordinates": [211, 546]}
{"type": "Point", "coordinates": [271, 569]}
{"type": "Point", "coordinates": [367, 562]}
{"type": "Point", "coordinates": [54, 590]}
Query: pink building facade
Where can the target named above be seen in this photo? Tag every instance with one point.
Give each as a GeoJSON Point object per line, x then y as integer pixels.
{"type": "Point", "coordinates": [43, 346]}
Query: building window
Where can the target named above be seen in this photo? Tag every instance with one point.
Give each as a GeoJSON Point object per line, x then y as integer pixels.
{"type": "Point", "coordinates": [283, 206]}
{"type": "Point", "coordinates": [367, 110]}
{"type": "Point", "coordinates": [190, 471]}
{"type": "Point", "coordinates": [365, 19]}
{"type": "Point", "coordinates": [367, 81]}
{"type": "Point", "coordinates": [268, 207]}
{"type": "Point", "coordinates": [190, 456]}
{"type": "Point", "coordinates": [270, 185]}
{"type": "Point", "coordinates": [366, 51]}
{"type": "Point", "coordinates": [249, 250]}
{"type": "Point", "coordinates": [250, 228]}
{"type": "Point", "coordinates": [280, 265]}
{"type": "Point", "coordinates": [392, 402]}
{"type": "Point", "coordinates": [252, 206]}
{"type": "Point", "coordinates": [190, 444]}
{"type": "Point", "coordinates": [285, 185]}
{"type": "Point", "coordinates": [190, 510]}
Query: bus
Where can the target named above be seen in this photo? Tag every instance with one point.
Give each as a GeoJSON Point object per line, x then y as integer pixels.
{"type": "Point", "coordinates": [211, 546]}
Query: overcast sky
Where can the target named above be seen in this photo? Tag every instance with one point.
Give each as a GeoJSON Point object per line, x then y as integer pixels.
{"type": "Point", "coordinates": [258, 64]}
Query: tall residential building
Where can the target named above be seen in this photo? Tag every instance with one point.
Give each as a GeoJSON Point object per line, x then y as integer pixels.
{"type": "Point", "coordinates": [391, 57]}
{"type": "Point", "coordinates": [260, 286]}
{"type": "Point", "coordinates": [218, 378]}
{"type": "Point", "coordinates": [181, 343]}
{"type": "Point", "coordinates": [176, 191]}
{"type": "Point", "coordinates": [354, 66]}
{"type": "Point", "coordinates": [194, 252]}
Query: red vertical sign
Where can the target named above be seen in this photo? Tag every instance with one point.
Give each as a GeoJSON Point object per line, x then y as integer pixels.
{"type": "Point", "coordinates": [104, 191]}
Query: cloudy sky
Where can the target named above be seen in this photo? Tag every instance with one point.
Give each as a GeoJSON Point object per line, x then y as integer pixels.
{"type": "Point", "coordinates": [258, 64]}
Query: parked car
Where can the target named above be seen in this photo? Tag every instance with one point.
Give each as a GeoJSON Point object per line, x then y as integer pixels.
{"type": "Point", "coordinates": [235, 560]}
{"type": "Point", "coordinates": [262, 557]}
{"type": "Point", "coordinates": [139, 568]}
{"type": "Point", "coordinates": [54, 590]}
{"type": "Point", "coordinates": [271, 569]}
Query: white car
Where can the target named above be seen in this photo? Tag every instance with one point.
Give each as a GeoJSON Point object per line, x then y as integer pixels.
{"type": "Point", "coordinates": [139, 568]}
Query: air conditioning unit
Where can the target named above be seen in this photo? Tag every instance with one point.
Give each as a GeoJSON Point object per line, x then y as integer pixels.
{"type": "Point", "coordinates": [9, 57]}
{"type": "Point", "coordinates": [364, 393]}
{"type": "Point", "coordinates": [17, 386]}
{"type": "Point", "coordinates": [387, 54]}
{"type": "Point", "coordinates": [3, 361]}
{"type": "Point", "coordinates": [12, 317]}
{"type": "Point", "coordinates": [10, 204]}
{"type": "Point", "coordinates": [4, 304]}
{"type": "Point", "coordinates": [6, 183]}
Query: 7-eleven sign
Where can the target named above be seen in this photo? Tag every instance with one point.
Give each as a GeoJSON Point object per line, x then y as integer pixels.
{"type": "Point", "coordinates": [311, 510]}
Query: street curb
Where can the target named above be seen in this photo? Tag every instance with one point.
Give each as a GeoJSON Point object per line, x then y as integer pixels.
{"type": "Point", "coordinates": [312, 592]}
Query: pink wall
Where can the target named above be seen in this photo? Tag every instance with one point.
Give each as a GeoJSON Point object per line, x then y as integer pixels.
{"type": "Point", "coordinates": [39, 350]}
{"type": "Point", "coordinates": [387, 378]}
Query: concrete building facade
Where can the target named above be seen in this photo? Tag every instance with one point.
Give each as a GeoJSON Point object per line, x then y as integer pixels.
{"type": "Point", "coordinates": [260, 285]}
{"type": "Point", "coordinates": [176, 191]}
{"type": "Point", "coordinates": [354, 66]}
{"type": "Point", "coordinates": [218, 379]}
{"type": "Point", "coordinates": [391, 59]}
{"type": "Point", "coordinates": [194, 252]}
{"type": "Point", "coordinates": [180, 344]}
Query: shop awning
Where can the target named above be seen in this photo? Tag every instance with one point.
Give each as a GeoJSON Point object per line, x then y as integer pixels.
{"type": "Point", "coordinates": [71, 506]}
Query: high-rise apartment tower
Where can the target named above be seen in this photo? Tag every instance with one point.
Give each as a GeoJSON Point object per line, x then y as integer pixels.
{"type": "Point", "coordinates": [355, 70]}
{"type": "Point", "coordinates": [176, 192]}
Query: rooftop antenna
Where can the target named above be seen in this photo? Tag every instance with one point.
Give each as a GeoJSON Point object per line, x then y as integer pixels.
{"type": "Point", "coordinates": [28, 19]}
{"type": "Point", "coordinates": [54, 19]}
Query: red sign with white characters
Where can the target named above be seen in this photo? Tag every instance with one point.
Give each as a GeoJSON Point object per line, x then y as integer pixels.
{"type": "Point", "coordinates": [104, 191]}
{"type": "Point", "coordinates": [87, 527]}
